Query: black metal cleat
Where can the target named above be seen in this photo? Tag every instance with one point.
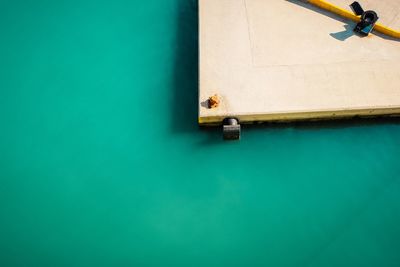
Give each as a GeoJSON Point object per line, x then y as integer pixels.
{"type": "Point", "coordinates": [368, 19]}
{"type": "Point", "coordinates": [231, 129]}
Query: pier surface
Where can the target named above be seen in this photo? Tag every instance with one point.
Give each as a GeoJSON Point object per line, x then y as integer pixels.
{"type": "Point", "coordinates": [281, 60]}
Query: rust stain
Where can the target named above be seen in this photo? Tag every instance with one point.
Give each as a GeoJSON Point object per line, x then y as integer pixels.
{"type": "Point", "coordinates": [213, 101]}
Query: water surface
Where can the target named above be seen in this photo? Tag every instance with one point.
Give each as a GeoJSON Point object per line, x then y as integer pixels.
{"type": "Point", "coordinates": [102, 162]}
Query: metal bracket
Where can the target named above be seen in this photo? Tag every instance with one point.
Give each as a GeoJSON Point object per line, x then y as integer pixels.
{"type": "Point", "coordinates": [231, 129]}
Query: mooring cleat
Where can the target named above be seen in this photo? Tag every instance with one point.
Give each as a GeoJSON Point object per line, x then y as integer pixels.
{"type": "Point", "coordinates": [368, 19]}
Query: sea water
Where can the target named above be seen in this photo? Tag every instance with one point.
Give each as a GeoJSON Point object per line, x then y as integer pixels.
{"type": "Point", "coordinates": [102, 162]}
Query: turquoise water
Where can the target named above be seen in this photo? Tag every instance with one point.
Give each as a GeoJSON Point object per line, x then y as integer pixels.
{"type": "Point", "coordinates": [102, 162]}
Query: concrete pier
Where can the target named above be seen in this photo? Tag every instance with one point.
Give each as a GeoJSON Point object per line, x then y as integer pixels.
{"type": "Point", "coordinates": [281, 60]}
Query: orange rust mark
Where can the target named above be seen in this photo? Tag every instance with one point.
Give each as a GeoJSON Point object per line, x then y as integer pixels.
{"type": "Point", "coordinates": [213, 101]}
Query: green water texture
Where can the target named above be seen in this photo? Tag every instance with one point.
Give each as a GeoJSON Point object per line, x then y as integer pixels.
{"type": "Point", "coordinates": [102, 162]}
